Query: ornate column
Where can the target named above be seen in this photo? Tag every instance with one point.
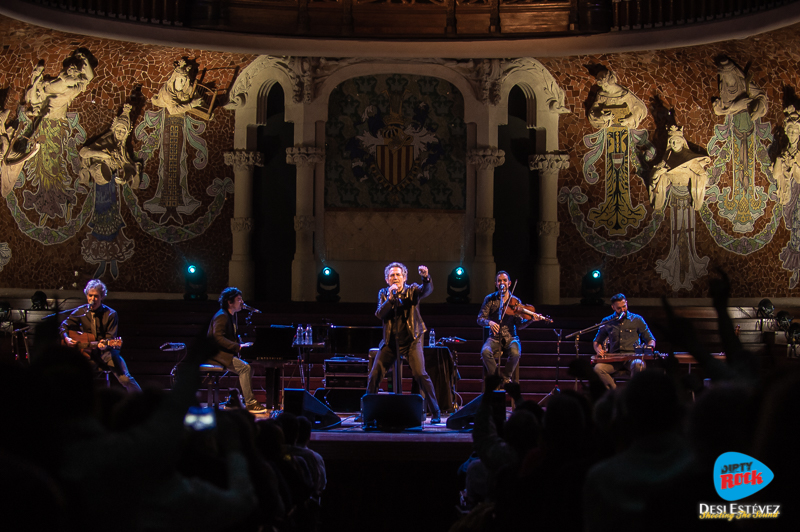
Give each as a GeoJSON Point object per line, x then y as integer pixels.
{"type": "Point", "coordinates": [304, 265]}
{"type": "Point", "coordinates": [485, 161]}
{"type": "Point", "coordinates": [548, 275]}
{"type": "Point", "coordinates": [241, 270]}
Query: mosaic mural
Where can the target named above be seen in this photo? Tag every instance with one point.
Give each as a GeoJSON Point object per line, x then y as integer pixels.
{"type": "Point", "coordinates": [396, 142]}
{"type": "Point", "coordinates": [103, 172]}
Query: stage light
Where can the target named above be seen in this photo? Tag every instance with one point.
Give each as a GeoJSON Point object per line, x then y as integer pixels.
{"type": "Point", "coordinates": [195, 283]}
{"type": "Point", "coordinates": [458, 286]}
{"type": "Point", "coordinates": [592, 288]}
{"type": "Point", "coordinates": [39, 300]}
{"type": "Point", "coordinates": [5, 310]}
{"type": "Point", "coordinates": [784, 320]}
{"type": "Point", "coordinates": [328, 285]}
{"type": "Point", "coordinates": [765, 308]}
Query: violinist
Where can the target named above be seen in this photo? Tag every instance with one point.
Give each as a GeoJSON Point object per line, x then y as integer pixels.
{"type": "Point", "coordinates": [503, 313]}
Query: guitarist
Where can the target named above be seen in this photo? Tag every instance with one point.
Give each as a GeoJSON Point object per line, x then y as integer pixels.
{"type": "Point", "coordinates": [97, 324]}
{"type": "Point", "coordinates": [621, 332]}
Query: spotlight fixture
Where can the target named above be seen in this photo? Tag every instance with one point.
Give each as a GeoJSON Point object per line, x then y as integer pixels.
{"type": "Point", "coordinates": [458, 286]}
{"type": "Point", "coordinates": [5, 310]}
{"type": "Point", "coordinates": [765, 309]}
{"type": "Point", "coordinates": [328, 285]}
{"type": "Point", "coordinates": [784, 320]}
{"type": "Point", "coordinates": [592, 288]}
{"type": "Point", "coordinates": [195, 283]}
{"type": "Point", "coordinates": [39, 301]}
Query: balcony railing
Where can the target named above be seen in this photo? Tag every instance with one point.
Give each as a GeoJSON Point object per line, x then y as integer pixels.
{"type": "Point", "coordinates": [416, 18]}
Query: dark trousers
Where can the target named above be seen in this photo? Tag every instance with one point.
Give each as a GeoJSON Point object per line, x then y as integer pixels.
{"type": "Point", "coordinates": [416, 361]}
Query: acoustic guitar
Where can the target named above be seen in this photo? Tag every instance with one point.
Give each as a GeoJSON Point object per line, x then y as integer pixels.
{"type": "Point", "coordinates": [87, 344]}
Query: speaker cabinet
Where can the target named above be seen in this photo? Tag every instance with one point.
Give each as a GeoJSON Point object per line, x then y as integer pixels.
{"type": "Point", "coordinates": [464, 418]}
{"type": "Point", "coordinates": [340, 399]}
{"type": "Point", "coordinates": [301, 403]}
{"type": "Point", "coordinates": [392, 412]}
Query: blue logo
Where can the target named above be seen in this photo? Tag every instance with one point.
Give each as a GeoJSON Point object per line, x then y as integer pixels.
{"type": "Point", "coordinates": [737, 476]}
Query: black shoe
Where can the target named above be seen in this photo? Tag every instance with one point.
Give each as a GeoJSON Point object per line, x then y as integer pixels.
{"type": "Point", "coordinates": [436, 418]}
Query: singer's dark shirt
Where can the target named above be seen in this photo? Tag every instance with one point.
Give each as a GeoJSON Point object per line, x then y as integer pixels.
{"type": "Point", "coordinates": [102, 323]}
{"type": "Point", "coordinates": [223, 332]}
{"type": "Point", "coordinates": [623, 336]}
{"type": "Point", "coordinates": [402, 319]}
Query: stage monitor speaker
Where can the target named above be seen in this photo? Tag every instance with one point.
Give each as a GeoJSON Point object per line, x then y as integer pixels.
{"type": "Point", "coordinates": [464, 418]}
{"type": "Point", "coordinates": [301, 403]}
{"type": "Point", "coordinates": [340, 399]}
{"type": "Point", "coordinates": [391, 412]}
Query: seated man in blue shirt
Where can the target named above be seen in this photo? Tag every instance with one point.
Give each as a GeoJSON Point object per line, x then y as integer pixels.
{"type": "Point", "coordinates": [620, 333]}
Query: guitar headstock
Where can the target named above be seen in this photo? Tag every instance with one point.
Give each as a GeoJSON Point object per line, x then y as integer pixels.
{"type": "Point", "coordinates": [114, 342]}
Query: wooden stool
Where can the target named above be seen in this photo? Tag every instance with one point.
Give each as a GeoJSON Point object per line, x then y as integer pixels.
{"type": "Point", "coordinates": [214, 372]}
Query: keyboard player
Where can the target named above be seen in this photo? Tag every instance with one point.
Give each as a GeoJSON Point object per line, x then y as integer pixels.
{"type": "Point", "coordinates": [619, 334]}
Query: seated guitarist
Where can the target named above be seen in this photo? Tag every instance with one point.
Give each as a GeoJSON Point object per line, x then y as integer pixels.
{"type": "Point", "coordinates": [92, 328]}
{"type": "Point", "coordinates": [620, 333]}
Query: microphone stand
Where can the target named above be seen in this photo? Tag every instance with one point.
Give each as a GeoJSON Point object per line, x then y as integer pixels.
{"type": "Point", "coordinates": [577, 335]}
{"type": "Point", "coordinates": [555, 389]}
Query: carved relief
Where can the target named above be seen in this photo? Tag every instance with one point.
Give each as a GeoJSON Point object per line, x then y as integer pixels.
{"type": "Point", "coordinates": [176, 95]}
{"type": "Point", "coordinates": [680, 167]}
{"type": "Point", "coordinates": [50, 97]}
{"type": "Point", "coordinates": [615, 105]}
{"type": "Point", "coordinates": [242, 160]}
{"type": "Point", "coordinates": [484, 226]}
{"type": "Point", "coordinates": [486, 157]}
{"type": "Point", "coordinates": [304, 155]}
{"type": "Point", "coordinates": [304, 223]}
{"type": "Point", "coordinates": [549, 229]}
{"type": "Point", "coordinates": [241, 225]}
{"type": "Point", "coordinates": [11, 162]}
{"type": "Point", "coordinates": [786, 168]}
{"type": "Point", "coordinates": [108, 158]}
{"type": "Point", "coordinates": [549, 161]}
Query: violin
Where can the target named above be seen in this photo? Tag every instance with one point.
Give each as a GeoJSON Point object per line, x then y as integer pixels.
{"type": "Point", "coordinates": [525, 311]}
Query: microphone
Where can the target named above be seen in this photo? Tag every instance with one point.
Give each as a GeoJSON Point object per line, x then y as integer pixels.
{"type": "Point", "coordinates": [251, 309]}
{"type": "Point", "coordinates": [623, 316]}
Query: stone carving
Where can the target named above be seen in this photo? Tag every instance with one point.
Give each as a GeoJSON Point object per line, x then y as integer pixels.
{"type": "Point", "coordinates": [680, 167]}
{"type": "Point", "coordinates": [740, 156]}
{"type": "Point", "coordinates": [242, 225]}
{"type": "Point", "coordinates": [50, 97]}
{"type": "Point", "coordinates": [786, 168]}
{"type": "Point", "coordinates": [484, 226]}
{"type": "Point", "coordinates": [243, 159]}
{"type": "Point", "coordinates": [241, 87]}
{"type": "Point", "coordinates": [108, 158]}
{"type": "Point", "coordinates": [176, 95]}
{"type": "Point", "coordinates": [549, 161]}
{"type": "Point", "coordinates": [5, 255]}
{"type": "Point", "coordinates": [486, 158]}
{"type": "Point", "coordinates": [107, 163]}
{"type": "Point", "coordinates": [11, 162]}
{"type": "Point", "coordinates": [554, 95]}
{"type": "Point", "coordinates": [304, 223]}
{"type": "Point", "coordinates": [304, 155]}
{"type": "Point", "coordinates": [549, 228]}
{"type": "Point", "coordinates": [737, 92]}
{"type": "Point", "coordinates": [306, 74]}
{"type": "Point", "coordinates": [615, 104]}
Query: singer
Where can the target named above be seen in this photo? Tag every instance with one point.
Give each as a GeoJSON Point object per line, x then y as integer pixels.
{"type": "Point", "coordinates": [224, 332]}
{"type": "Point", "coordinates": [620, 333]}
{"type": "Point", "coordinates": [503, 339]}
{"type": "Point", "coordinates": [403, 331]}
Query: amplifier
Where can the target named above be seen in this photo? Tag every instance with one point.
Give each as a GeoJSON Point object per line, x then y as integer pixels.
{"type": "Point", "coordinates": [346, 366]}
{"type": "Point", "coordinates": [348, 381]}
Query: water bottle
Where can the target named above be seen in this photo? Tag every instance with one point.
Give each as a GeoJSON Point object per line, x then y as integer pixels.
{"type": "Point", "coordinates": [298, 337]}
{"type": "Point", "coordinates": [309, 335]}
{"type": "Point", "coordinates": [432, 339]}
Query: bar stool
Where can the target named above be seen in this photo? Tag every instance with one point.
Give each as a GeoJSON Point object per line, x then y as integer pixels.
{"type": "Point", "coordinates": [214, 372]}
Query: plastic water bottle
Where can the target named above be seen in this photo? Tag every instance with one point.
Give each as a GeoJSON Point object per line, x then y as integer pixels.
{"type": "Point", "coordinates": [309, 335]}
{"type": "Point", "coordinates": [432, 339]}
{"type": "Point", "coordinates": [298, 337]}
